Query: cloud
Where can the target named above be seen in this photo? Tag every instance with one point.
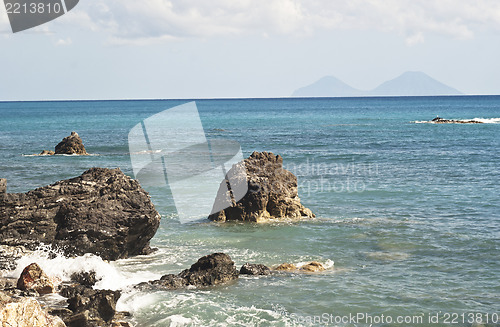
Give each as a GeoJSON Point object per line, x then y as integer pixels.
{"type": "Point", "coordinates": [66, 41]}
{"type": "Point", "coordinates": [150, 20]}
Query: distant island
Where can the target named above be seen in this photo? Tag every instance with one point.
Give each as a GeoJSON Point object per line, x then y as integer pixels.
{"type": "Point", "coordinates": [407, 84]}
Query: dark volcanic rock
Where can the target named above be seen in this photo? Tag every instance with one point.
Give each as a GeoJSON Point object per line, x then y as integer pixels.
{"type": "Point", "coordinates": [71, 145]}
{"type": "Point", "coordinates": [254, 269]}
{"type": "Point", "coordinates": [85, 278]}
{"type": "Point", "coordinates": [9, 255]}
{"type": "Point", "coordinates": [103, 211]}
{"type": "Point", "coordinates": [272, 192]}
{"type": "Point", "coordinates": [88, 307]}
{"type": "Point", "coordinates": [211, 270]}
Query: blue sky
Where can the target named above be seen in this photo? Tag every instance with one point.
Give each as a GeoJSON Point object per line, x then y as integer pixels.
{"type": "Point", "coordinates": [125, 49]}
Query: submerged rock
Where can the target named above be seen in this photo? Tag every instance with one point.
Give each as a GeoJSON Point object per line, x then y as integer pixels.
{"type": "Point", "coordinates": [272, 192]}
{"type": "Point", "coordinates": [254, 269]}
{"type": "Point", "coordinates": [439, 120]}
{"type": "Point", "coordinates": [313, 266]}
{"type": "Point", "coordinates": [103, 212]}
{"type": "Point", "coordinates": [46, 153]}
{"type": "Point", "coordinates": [34, 278]}
{"type": "Point", "coordinates": [72, 144]}
{"type": "Point", "coordinates": [210, 270]}
{"type": "Point", "coordinates": [286, 267]}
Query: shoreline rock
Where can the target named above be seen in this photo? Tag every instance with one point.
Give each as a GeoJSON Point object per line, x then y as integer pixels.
{"type": "Point", "coordinates": [210, 270]}
{"type": "Point", "coordinates": [103, 212]}
{"type": "Point", "coordinates": [272, 192]}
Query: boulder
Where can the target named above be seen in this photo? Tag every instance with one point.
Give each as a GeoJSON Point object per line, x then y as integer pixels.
{"type": "Point", "coordinates": [33, 278]}
{"type": "Point", "coordinates": [286, 267]}
{"type": "Point", "coordinates": [72, 144]}
{"type": "Point", "coordinates": [211, 270]}
{"type": "Point", "coordinates": [313, 266]}
{"type": "Point", "coordinates": [26, 312]}
{"type": "Point", "coordinates": [103, 212]}
{"type": "Point", "coordinates": [272, 192]}
{"type": "Point", "coordinates": [254, 269]}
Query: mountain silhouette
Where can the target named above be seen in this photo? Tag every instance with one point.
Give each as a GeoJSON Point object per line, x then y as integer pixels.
{"type": "Point", "coordinates": [407, 84]}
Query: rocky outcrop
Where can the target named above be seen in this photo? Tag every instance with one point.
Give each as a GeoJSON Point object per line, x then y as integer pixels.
{"type": "Point", "coordinates": [211, 270]}
{"type": "Point", "coordinates": [72, 144]}
{"type": "Point", "coordinates": [103, 212]}
{"type": "Point", "coordinates": [88, 307]}
{"type": "Point", "coordinates": [33, 278]}
{"type": "Point", "coordinates": [313, 266]}
{"type": "Point", "coordinates": [439, 120]}
{"type": "Point", "coordinates": [254, 269]}
{"type": "Point", "coordinates": [46, 153]}
{"type": "Point", "coordinates": [272, 192]}
{"type": "Point", "coordinates": [9, 255]}
{"type": "Point", "coordinates": [25, 312]}
{"type": "Point", "coordinates": [286, 267]}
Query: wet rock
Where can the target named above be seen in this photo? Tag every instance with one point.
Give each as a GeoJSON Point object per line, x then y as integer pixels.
{"type": "Point", "coordinates": [9, 255]}
{"type": "Point", "coordinates": [254, 269]}
{"type": "Point", "coordinates": [89, 307]}
{"type": "Point", "coordinates": [272, 192]}
{"type": "Point", "coordinates": [210, 270]}
{"type": "Point", "coordinates": [103, 212]}
{"type": "Point", "coordinates": [26, 312]}
{"type": "Point", "coordinates": [313, 266]}
{"type": "Point", "coordinates": [72, 144]}
{"type": "Point", "coordinates": [286, 267]}
{"type": "Point", "coordinates": [33, 278]}
{"type": "Point", "coordinates": [439, 120]}
{"type": "Point", "coordinates": [46, 153]}
{"type": "Point", "coordinates": [85, 278]}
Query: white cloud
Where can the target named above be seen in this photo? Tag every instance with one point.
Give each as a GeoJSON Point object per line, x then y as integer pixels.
{"type": "Point", "coordinates": [149, 20]}
{"type": "Point", "coordinates": [66, 41]}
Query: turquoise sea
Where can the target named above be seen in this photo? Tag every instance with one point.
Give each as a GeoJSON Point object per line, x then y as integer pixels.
{"type": "Point", "coordinates": [408, 214]}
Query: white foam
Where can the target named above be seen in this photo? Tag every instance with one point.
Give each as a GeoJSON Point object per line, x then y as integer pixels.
{"type": "Point", "coordinates": [488, 120]}
{"type": "Point", "coordinates": [55, 264]}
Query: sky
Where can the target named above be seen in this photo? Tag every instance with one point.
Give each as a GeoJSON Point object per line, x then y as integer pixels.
{"type": "Point", "coordinates": [185, 49]}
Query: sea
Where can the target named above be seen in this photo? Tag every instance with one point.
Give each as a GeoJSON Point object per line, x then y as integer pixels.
{"type": "Point", "coordinates": [407, 213]}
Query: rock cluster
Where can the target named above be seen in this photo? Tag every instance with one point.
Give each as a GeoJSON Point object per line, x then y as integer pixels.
{"type": "Point", "coordinates": [439, 120]}
{"type": "Point", "coordinates": [272, 192]}
{"type": "Point", "coordinates": [103, 212]}
{"type": "Point", "coordinates": [210, 270]}
{"type": "Point", "coordinates": [72, 144]}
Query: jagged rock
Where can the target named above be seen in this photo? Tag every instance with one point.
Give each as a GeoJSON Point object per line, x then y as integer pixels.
{"type": "Point", "coordinates": [254, 269]}
{"type": "Point", "coordinates": [9, 255]}
{"type": "Point", "coordinates": [272, 192]}
{"type": "Point", "coordinates": [103, 212]}
{"type": "Point", "coordinates": [88, 307]}
{"type": "Point", "coordinates": [286, 267]}
{"type": "Point", "coordinates": [313, 266]}
{"type": "Point", "coordinates": [25, 312]}
{"type": "Point", "coordinates": [85, 278]}
{"type": "Point", "coordinates": [71, 145]}
{"type": "Point", "coordinates": [210, 270]}
{"type": "Point", "coordinates": [33, 278]}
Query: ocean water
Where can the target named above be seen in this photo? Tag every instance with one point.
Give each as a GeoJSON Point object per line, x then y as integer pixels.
{"type": "Point", "coordinates": [408, 215]}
